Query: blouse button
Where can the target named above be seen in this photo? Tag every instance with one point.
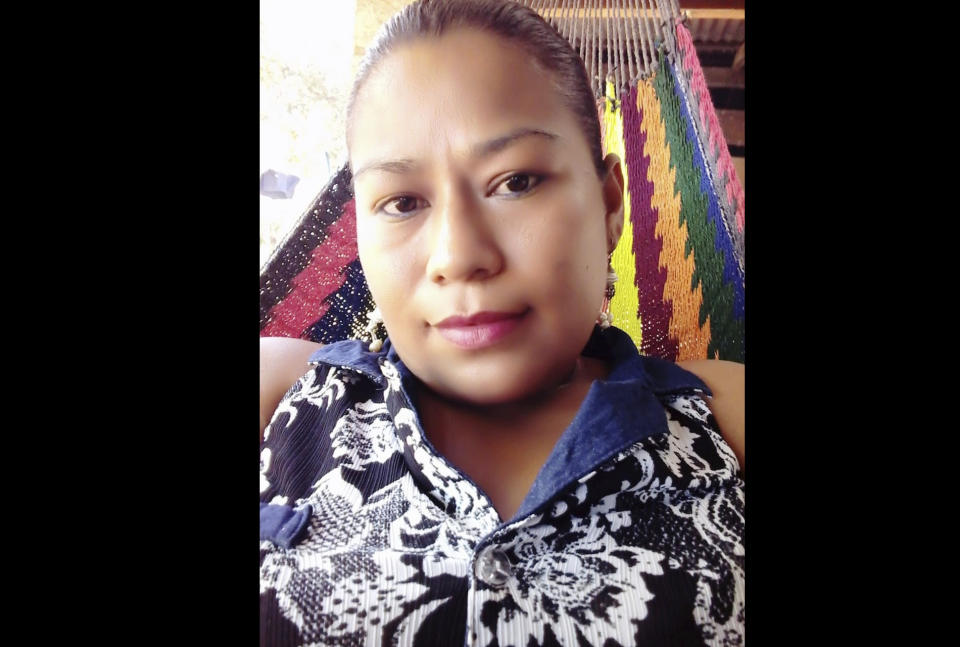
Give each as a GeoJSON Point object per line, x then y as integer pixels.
{"type": "Point", "coordinates": [492, 567]}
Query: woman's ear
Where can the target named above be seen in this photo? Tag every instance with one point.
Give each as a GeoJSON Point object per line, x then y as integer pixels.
{"type": "Point", "coordinates": [613, 199]}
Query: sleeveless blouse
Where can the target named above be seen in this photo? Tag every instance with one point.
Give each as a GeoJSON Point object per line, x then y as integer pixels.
{"type": "Point", "coordinates": [632, 533]}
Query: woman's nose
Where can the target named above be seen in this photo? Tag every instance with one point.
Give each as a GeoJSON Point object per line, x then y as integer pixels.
{"type": "Point", "coordinates": [463, 244]}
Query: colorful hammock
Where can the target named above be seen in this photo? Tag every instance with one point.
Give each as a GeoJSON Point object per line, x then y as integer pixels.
{"type": "Point", "coordinates": [682, 249]}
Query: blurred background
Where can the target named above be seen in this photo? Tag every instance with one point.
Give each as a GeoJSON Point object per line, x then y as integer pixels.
{"type": "Point", "coordinates": [309, 52]}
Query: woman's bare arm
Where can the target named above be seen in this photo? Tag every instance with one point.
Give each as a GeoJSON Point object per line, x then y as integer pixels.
{"type": "Point", "coordinates": [726, 381]}
{"type": "Point", "coordinates": [283, 361]}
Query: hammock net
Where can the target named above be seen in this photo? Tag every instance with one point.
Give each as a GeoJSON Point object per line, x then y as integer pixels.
{"type": "Point", "coordinates": [680, 261]}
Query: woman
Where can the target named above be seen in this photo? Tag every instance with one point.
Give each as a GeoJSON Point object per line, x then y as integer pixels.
{"type": "Point", "coordinates": [503, 470]}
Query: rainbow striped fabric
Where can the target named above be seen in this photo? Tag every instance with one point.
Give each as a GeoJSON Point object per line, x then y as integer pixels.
{"type": "Point", "coordinates": [680, 261]}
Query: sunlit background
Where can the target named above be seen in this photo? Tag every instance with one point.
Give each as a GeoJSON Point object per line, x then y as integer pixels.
{"type": "Point", "coordinates": [306, 49]}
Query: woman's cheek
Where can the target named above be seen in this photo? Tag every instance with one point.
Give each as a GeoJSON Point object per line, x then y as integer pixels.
{"type": "Point", "coordinates": [391, 275]}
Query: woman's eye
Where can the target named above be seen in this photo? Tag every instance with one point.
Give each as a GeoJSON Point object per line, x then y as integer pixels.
{"type": "Point", "coordinates": [517, 184]}
{"type": "Point", "coordinates": [401, 206]}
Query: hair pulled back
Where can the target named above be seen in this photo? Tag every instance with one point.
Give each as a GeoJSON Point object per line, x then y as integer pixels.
{"type": "Point", "coordinates": [505, 18]}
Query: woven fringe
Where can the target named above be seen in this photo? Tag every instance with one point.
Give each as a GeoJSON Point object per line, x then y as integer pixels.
{"type": "Point", "coordinates": [732, 273]}
{"type": "Point", "coordinates": [308, 300]}
{"type": "Point", "coordinates": [718, 295]}
{"type": "Point", "coordinates": [655, 311]}
{"type": "Point", "coordinates": [727, 183]}
{"type": "Point", "coordinates": [692, 339]}
{"type": "Point", "coordinates": [294, 253]}
{"type": "Point", "coordinates": [628, 34]}
{"type": "Point", "coordinates": [624, 306]}
{"type": "Point", "coordinates": [347, 309]}
{"type": "Point", "coordinates": [728, 238]}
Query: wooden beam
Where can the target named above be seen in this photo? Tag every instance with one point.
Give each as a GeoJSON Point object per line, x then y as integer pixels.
{"type": "Point", "coordinates": [713, 4]}
{"type": "Point", "coordinates": [731, 122]}
{"type": "Point", "coordinates": [715, 14]}
{"type": "Point", "coordinates": [740, 164]}
{"type": "Point", "coordinates": [703, 14]}
{"type": "Point", "coordinates": [724, 77]}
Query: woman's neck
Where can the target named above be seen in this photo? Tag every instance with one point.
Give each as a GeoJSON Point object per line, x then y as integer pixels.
{"type": "Point", "coordinates": [502, 447]}
{"type": "Point", "coordinates": [570, 391]}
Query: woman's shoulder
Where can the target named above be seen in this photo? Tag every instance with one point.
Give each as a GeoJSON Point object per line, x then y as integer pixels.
{"type": "Point", "coordinates": [720, 368]}
{"type": "Point", "coordinates": [284, 357]}
{"type": "Point", "coordinates": [279, 347]}
{"type": "Point", "coordinates": [726, 381]}
{"type": "Point", "coordinates": [283, 360]}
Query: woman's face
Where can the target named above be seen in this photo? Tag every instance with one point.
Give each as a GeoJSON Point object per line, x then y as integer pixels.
{"type": "Point", "coordinates": [482, 227]}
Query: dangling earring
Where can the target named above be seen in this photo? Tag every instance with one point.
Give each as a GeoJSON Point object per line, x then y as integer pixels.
{"type": "Point", "coordinates": [374, 321]}
{"type": "Point", "coordinates": [606, 319]}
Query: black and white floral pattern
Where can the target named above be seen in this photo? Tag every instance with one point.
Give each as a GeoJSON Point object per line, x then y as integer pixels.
{"type": "Point", "coordinates": [575, 577]}
{"type": "Point", "coordinates": [364, 434]}
{"type": "Point", "coordinates": [586, 571]}
{"type": "Point", "coordinates": [645, 549]}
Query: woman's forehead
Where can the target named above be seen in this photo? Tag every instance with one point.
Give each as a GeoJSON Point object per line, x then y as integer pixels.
{"type": "Point", "coordinates": [453, 91]}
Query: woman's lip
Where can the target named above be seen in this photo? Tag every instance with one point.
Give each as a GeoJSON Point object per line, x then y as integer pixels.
{"type": "Point", "coordinates": [485, 317]}
{"type": "Point", "coordinates": [480, 329]}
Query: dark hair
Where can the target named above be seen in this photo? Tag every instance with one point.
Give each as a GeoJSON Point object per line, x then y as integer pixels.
{"type": "Point", "coordinates": [505, 18]}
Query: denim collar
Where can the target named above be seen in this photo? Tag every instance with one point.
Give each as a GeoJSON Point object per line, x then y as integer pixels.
{"type": "Point", "coordinates": [662, 377]}
{"type": "Point", "coordinates": [617, 412]}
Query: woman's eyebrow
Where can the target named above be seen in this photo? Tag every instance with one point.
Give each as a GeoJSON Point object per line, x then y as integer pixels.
{"type": "Point", "coordinates": [483, 149]}
{"type": "Point", "coordinates": [399, 166]}
{"type": "Point", "coordinates": [497, 144]}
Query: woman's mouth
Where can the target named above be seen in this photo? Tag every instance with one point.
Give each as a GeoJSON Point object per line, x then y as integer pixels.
{"type": "Point", "coordinates": [481, 329]}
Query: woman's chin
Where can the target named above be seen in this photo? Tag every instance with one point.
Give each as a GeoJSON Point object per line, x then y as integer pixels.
{"type": "Point", "coordinates": [495, 392]}
{"type": "Point", "coordinates": [499, 376]}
